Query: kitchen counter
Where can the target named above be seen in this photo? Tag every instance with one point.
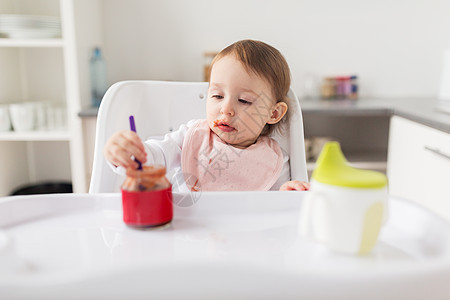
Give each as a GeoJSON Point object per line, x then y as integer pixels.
{"type": "Point", "coordinates": [88, 112]}
{"type": "Point", "coordinates": [420, 110]}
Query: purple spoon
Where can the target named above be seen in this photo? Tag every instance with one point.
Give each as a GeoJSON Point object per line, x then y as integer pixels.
{"type": "Point", "coordinates": [133, 128]}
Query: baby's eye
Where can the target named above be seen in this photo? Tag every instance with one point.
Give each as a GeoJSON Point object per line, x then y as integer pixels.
{"type": "Point", "coordinates": [217, 96]}
{"type": "Point", "coordinates": [245, 102]}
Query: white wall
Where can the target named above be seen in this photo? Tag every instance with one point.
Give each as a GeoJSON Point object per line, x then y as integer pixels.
{"type": "Point", "coordinates": [395, 46]}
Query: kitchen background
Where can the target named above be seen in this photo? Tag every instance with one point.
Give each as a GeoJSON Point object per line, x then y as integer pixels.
{"type": "Point", "coordinates": [395, 47]}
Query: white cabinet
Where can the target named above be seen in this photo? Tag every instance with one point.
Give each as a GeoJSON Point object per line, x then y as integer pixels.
{"type": "Point", "coordinates": [54, 71]}
{"type": "Point", "coordinates": [419, 165]}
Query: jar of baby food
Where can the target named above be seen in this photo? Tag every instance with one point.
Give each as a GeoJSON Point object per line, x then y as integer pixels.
{"type": "Point", "coordinates": [147, 197]}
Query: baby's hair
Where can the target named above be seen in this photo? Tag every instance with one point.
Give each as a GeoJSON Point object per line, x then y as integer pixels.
{"type": "Point", "coordinates": [268, 63]}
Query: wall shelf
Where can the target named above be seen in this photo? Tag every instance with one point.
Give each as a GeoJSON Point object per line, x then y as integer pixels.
{"type": "Point", "coordinates": [35, 136]}
{"type": "Point", "coordinates": [32, 43]}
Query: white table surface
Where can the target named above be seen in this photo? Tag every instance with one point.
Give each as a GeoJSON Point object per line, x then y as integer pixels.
{"type": "Point", "coordinates": [225, 245]}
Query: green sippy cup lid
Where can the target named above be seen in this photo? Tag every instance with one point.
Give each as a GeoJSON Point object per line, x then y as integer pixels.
{"type": "Point", "coordinates": [333, 168]}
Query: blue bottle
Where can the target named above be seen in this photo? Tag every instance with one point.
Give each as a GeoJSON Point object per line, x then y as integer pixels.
{"type": "Point", "coordinates": [99, 84]}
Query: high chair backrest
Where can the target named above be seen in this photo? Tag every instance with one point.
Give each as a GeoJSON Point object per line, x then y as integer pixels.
{"type": "Point", "coordinates": [162, 106]}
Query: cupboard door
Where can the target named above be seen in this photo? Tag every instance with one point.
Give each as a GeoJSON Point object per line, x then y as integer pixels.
{"type": "Point", "coordinates": [418, 167]}
{"type": "Point", "coordinates": [437, 161]}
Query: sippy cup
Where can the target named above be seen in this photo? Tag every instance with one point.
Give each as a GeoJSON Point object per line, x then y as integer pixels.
{"type": "Point", "coordinates": [147, 197]}
{"type": "Point", "coordinates": [345, 207]}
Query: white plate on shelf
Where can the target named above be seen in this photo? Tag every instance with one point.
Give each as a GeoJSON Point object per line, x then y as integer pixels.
{"type": "Point", "coordinates": [225, 245]}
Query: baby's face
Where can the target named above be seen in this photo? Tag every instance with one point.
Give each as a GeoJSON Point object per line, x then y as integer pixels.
{"type": "Point", "coordinates": [239, 103]}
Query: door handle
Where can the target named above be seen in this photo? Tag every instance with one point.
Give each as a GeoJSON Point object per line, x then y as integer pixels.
{"type": "Point", "coordinates": [437, 152]}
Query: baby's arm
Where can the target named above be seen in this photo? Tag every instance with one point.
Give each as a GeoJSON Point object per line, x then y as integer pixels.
{"type": "Point", "coordinates": [120, 148]}
{"type": "Point", "coordinates": [295, 185]}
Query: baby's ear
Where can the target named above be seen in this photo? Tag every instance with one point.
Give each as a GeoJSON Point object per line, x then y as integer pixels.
{"type": "Point", "coordinates": [278, 112]}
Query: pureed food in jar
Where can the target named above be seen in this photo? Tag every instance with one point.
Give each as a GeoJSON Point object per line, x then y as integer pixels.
{"type": "Point", "coordinates": [147, 197]}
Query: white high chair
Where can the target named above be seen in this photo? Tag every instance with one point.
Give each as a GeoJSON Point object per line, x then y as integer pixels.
{"type": "Point", "coordinates": [162, 106]}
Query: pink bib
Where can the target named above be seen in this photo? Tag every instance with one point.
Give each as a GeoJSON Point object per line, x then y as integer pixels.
{"type": "Point", "coordinates": [209, 164]}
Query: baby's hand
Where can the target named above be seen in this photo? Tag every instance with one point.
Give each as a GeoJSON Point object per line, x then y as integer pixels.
{"type": "Point", "coordinates": [120, 148]}
{"type": "Point", "coordinates": [295, 185]}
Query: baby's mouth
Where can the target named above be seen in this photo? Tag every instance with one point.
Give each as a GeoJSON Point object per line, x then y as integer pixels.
{"type": "Point", "coordinates": [223, 126]}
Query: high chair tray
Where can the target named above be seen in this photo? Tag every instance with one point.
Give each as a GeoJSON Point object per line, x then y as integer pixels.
{"type": "Point", "coordinates": [219, 245]}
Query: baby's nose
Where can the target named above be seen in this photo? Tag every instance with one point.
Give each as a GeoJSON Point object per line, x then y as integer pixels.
{"type": "Point", "coordinates": [227, 107]}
